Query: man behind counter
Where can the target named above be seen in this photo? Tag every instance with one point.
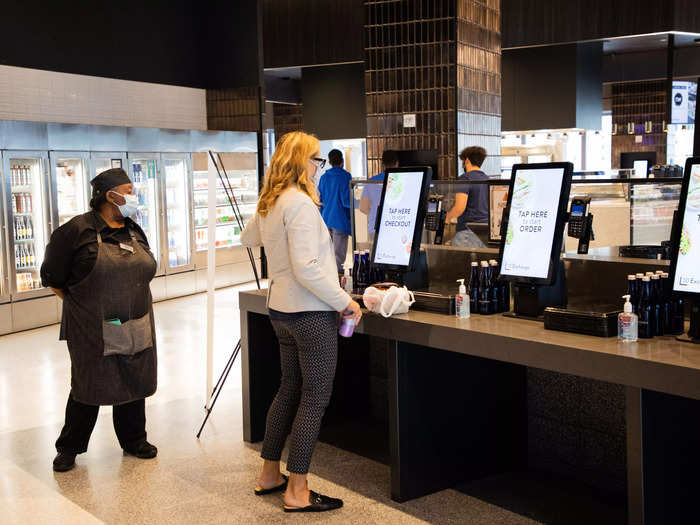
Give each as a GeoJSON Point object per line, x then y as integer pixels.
{"type": "Point", "coordinates": [472, 206]}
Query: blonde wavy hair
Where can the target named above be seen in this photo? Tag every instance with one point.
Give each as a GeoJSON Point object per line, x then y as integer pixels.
{"type": "Point", "coordinates": [289, 166]}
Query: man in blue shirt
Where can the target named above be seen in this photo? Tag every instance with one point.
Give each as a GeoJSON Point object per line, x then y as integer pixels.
{"type": "Point", "coordinates": [471, 205]}
{"type": "Point", "coordinates": [372, 193]}
{"type": "Point", "coordinates": [334, 190]}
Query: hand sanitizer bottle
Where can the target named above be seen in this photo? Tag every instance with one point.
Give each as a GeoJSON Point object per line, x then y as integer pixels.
{"type": "Point", "coordinates": [627, 327]}
{"type": "Point", "coordinates": [462, 301]}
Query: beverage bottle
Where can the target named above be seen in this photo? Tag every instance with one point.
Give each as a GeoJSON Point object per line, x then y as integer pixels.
{"type": "Point", "coordinates": [632, 291]}
{"type": "Point", "coordinates": [355, 267]}
{"type": "Point", "coordinates": [367, 267]}
{"type": "Point", "coordinates": [666, 302]}
{"type": "Point", "coordinates": [32, 256]}
{"type": "Point", "coordinates": [677, 315]}
{"type": "Point", "coordinates": [656, 302]}
{"type": "Point", "coordinates": [627, 323]}
{"type": "Point", "coordinates": [14, 204]}
{"type": "Point", "coordinates": [484, 289]}
{"type": "Point", "coordinates": [25, 179]}
{"type": "Point", "coordinates": [645, 310]}
{"type": "Point", "coordinates": [13, 178]}
{"type": "Point", "coordinates": [30, 228]}
{"type": "Point", "coordinates": [18, 261]}
{"type": "Point", "coordinates": [474, 287]}
{"type": "Point", "coordinates": [360, 282]}
{"type": "Point", "coordinates": [22, 256]}
{"type": "Point", "coordinates": [495, 287]}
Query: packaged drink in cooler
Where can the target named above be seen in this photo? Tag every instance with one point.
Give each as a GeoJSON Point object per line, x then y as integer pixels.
{"type": "Point", "coordinates": [484, 289]}
{"type": "Point", "coordinates": [17, 258]}
{"type": "Point", "coordinates": [30, 228]}
{"type": "Point", "coordinates": [33, 256]}
{"type": "Point", "coordinates": [645, 310]}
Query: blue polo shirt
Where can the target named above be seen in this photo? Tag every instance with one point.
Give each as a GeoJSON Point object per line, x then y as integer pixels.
{"type": "Point", "coordinates": [477, 201]}
{"type": "Point", "coordinates": [374, 193]}
{"type": "Point", "coordinates": [334, 190]}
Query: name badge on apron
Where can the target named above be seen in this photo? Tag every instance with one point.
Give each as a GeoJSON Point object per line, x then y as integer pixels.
{"type": "Point", "coordinates": [126, 247]}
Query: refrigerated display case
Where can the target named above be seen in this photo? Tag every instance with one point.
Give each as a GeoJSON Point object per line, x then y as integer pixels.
{"type": "Point", "coordinates": [178, 221]}
{"type": "Point", "coordinates": [28, 219]}
{"type": "Point", "coordinates": [4, 279]}
{"type": "Point", "coordinates": [243, 176]}
{"type": "Point", "coordinates": [69, 185]}
{"type": "Point", "coordinates": [104, 160]}
{"type": "Point", "coordinates": [144, 169]}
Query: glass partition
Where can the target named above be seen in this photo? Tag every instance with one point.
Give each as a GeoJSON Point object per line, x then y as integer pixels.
{"type": "Point", "coordinates": [625, 211]}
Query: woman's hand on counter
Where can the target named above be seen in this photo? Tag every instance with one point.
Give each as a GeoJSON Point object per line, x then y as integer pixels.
{"type": "Point", "coordinates": [353, 311]}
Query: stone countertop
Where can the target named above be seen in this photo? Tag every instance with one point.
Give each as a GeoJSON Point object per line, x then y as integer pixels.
{"type": "Point", "coordinates": [662, 364]}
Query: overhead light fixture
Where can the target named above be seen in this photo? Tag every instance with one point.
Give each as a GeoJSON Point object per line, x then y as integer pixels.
{"type": "Point", "coordinates": [630, 128]}
{"type": "Point", "coordinates": [614, 129]}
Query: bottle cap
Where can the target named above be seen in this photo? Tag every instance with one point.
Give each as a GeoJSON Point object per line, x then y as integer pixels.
{"type": "Point", "coordinates": [646, 278]}
{"type": "Point", "coordinates": [628, 305]}
{"type": "Point", "coordinates": [664, 275]}
{"type": "Point", "coordinates": [462, 288]}
{"type": "Point", "coordinates": [493, 263]}
{"type": "Point", "coordinates": [474, 263]}
{"type": "Point", "coordinates": [639, 275]}
{"type": "Point", "coordinates": [656, 276]}
{"type": "Point", "coordinates": [356, 251]}
{"type": "Point", "coordinates": [649, 274]}
{"type": "Point", "coordinates": [484, 264]}
{"type": "Point", "coordinates": [659, 272]}
{"type": "Point", "coordinates": [631, 277]}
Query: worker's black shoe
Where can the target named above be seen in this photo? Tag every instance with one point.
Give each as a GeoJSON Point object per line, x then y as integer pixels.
{"type": "Point", "coordinates": [143, 450]}
{"type": "Point", "coordinates": [63, 462]}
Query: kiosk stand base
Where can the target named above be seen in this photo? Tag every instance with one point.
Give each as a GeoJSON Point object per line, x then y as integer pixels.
{"type": "Point", "coordinates": [530, 300]}
{"type": "Point", "coordinates": [693, 335]}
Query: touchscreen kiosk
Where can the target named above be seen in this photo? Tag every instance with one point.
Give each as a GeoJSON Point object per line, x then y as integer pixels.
{"type": "Point", "coordinates": [529, 253]}
{"type": "Point", "coordinates": [400, 217]}
{"type": "Point", "coordinates": [685, 262]}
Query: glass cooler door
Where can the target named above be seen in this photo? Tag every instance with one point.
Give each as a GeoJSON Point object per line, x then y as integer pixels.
{"type": "Point", "coordinates": [4, 282]}
{"type": "Point", "coordinates": [103, 160]}
{"type": "Point", "coordinates": [28, 224]}
{"type": "Point", "coordinates": [69, 186]}
{"type": "Point", "coordinates": [178, 212]}
{"type": "Point", "coordinates": [243, 177]}
{"type": "Point", "coordinates": [144, 171]}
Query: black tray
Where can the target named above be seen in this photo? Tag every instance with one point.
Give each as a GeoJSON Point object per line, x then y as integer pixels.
{"type": "Point", "coordinates": [582, 321]}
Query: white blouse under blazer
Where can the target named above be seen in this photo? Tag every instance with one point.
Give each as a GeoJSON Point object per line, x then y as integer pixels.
{"type": "Point", "coordinates": [303, 276]}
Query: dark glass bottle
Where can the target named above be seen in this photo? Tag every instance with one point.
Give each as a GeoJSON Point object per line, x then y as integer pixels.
{"type": "Point", "coordinates": [355, 269]}
{"type": "Point", "coordinates": [484, 289]}
{"type": "Point", "coordinates": [666, 303]}
{"type": "Point", "coordinates": [657, 301]}
{"type": "Point", "coordinates": [366, 269]}
{"type": "Point", "coordinates": [632, 291]}
{"type": "Point", "coordinates": [495, 287]}
{"type": "Point", "coordinates": [474, 288]}
{"type": "Point", "coordinates": [645, 310]}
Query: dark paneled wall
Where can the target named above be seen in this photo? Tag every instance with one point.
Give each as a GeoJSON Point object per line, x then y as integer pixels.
{"type": "Point", "coordinates": [531, 22]}
{"type": "Point", "coordinates": [179, 42]}
{"type": "Point", "coordinates": [334, 101]}
{"type": "Point", "coordinates": [651, 64]}
{"type": "Point", "coordinates": [312, 32]}
{"type": "Point", "coordinates": [286, 118]}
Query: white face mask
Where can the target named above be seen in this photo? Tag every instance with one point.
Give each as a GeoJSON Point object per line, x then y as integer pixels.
{"type": "Point", "coordinates": [130, 206]}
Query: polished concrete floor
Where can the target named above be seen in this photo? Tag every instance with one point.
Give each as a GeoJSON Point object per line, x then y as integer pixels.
{"type": "Point", "coordinates": [211, 480]}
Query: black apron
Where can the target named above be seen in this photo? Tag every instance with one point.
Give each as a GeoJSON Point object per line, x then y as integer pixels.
{"type": "Point", "coordinates": [108, 325]}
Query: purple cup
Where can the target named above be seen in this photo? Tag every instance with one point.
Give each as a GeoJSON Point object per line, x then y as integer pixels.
{"type": "Point", "coordinates": [347, 327]}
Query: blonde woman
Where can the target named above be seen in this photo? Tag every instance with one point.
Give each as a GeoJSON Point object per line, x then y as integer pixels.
{"type": "Point", "coordinates": [303, 299]}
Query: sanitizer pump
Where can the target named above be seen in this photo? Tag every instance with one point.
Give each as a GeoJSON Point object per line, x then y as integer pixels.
{"type": "Point", "coordinates": [627, 327]}
{"type": "Point", "coordinates": [462, 301]}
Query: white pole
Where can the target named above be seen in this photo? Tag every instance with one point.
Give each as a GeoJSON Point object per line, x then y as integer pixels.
{"type": "Point", "coordinates": [211, 273]}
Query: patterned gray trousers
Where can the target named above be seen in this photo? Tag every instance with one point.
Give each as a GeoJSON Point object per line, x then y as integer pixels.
{"type": "Point", "coordinates": [308, 353]}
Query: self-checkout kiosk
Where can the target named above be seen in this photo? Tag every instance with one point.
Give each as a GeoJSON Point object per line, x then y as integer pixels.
{"type": "Point", "coordinates": [532, 234]}
{"type": "Point", "coordinates": [685, 247]}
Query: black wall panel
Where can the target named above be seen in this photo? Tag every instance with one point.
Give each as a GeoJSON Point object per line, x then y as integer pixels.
{"type": "Point", "coordinates": [532, 22]}
{"type": "Point", "coordinates": [334, 101]}
{"type": "Point", "coordinates": [179, 42]}
{"type": "Point", "coordinates": [312, 32]}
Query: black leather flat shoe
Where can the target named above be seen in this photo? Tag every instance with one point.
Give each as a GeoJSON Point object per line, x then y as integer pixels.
{"type": "Point", "coordinates": [63, 462]}
{"type": "Point", "coordinates": [143, 450]}
{"type": "Point", "coordinates": [318, 503]}
{"type": "Point", "coordinates": [279, 488]}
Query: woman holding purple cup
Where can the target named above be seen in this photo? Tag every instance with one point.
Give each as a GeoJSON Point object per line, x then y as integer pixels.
{"type": "Point", "coordinates": [304, 299]}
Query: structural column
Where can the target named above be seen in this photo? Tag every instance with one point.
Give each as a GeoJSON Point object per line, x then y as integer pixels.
{"type": "Point", "coordinates": [433, 79]}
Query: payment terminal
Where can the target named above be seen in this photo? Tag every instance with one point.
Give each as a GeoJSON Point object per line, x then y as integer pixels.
{"type": "Point", "coordinates": [435, 217]}
{"type": "Point", "coordinates": [581, 222]}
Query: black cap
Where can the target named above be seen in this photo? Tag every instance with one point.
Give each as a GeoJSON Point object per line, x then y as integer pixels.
{"type": "Point", "coordinates": [107, 180]}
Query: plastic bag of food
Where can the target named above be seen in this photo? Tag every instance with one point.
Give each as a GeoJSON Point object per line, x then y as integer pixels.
{"type": "Point", "coordinates": [395, 300]}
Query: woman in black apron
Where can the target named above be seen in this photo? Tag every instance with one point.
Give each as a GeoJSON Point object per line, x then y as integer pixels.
{"type": "Point", "coordinates": [99, 263]}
